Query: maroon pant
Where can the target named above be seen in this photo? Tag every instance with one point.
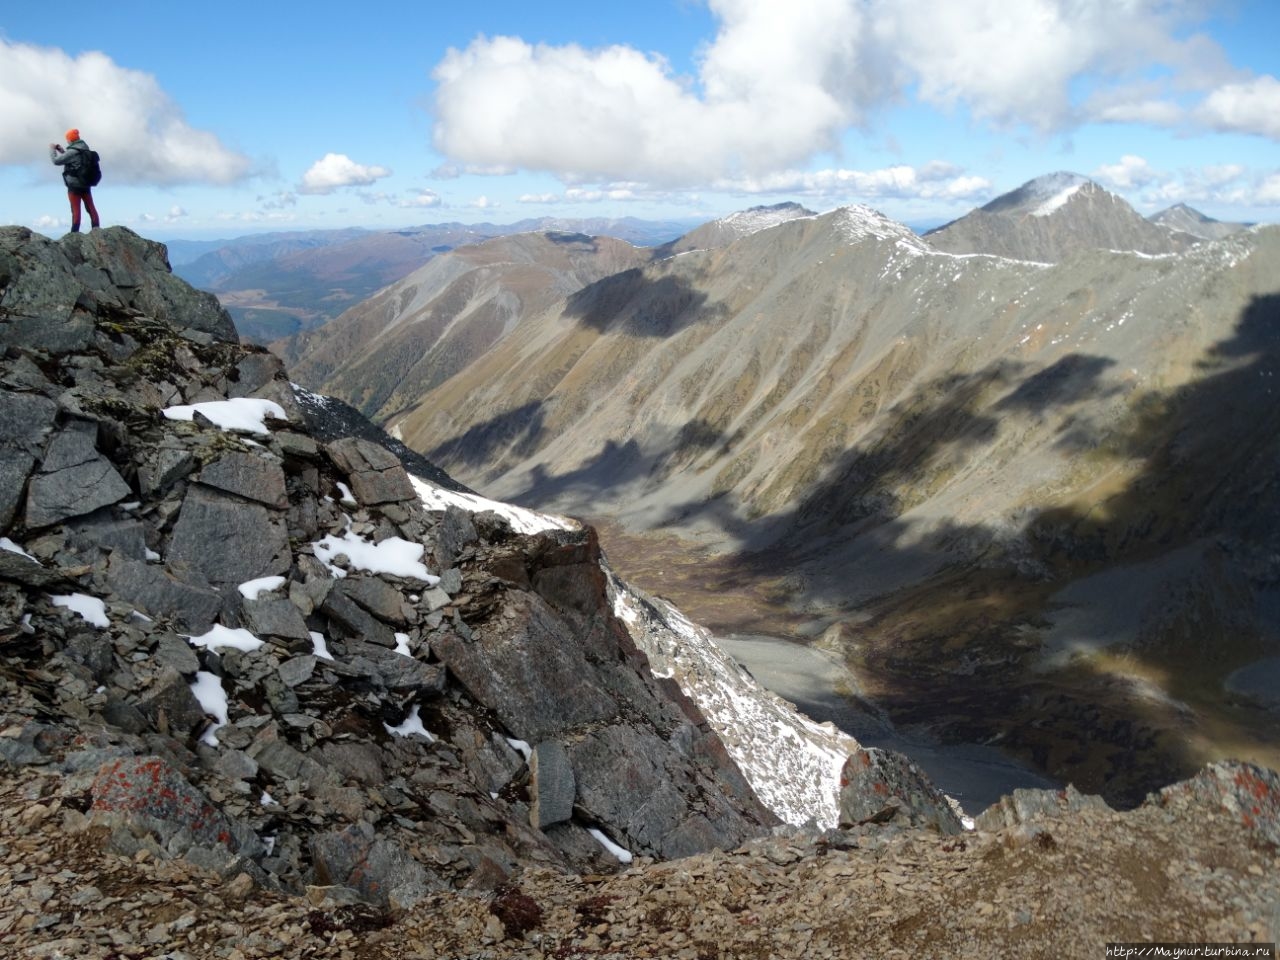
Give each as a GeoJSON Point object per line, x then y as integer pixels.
{"type": "Point", "coordinates": [75, 199]}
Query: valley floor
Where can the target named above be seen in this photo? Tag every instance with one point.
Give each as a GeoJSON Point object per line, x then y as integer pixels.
{"type": "Point", "coordinates": [953, 662]}
{"type": "Point", "coordinates": [825, 690]}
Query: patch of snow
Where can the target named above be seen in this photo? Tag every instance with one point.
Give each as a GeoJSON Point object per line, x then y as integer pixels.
{"type": "Point", "coordinates": [267, 800]}
{"type": "Point", "coordinates": [1145, 256]}
{"type": "Point", "coordinates": [521, 747]}
{"type": "Point", "coordinates": [521, 520]}
{"type": "Point", "coordinates": [410, 725]}
{"type": "Point", "coordinates": [622, 856]}
{"type": "Point", "coordinates": [319, 646]}
{"type": "Point", "coordinates": [792, 763]}
{"type": "Point", "coordinates": [151, 555]}
{"type": "Point", "coordinates": [394, 555]}
{"type": "Point", "coordinates": [347, 496]}
{"type": "Point", "coordinates": [402, 645]}
{"type": "Point", "coordinates": [7, 544]}
{"type": "Point", "coordinates": [252, 589]}
{"type": "Point", "coordinates": [208, 691]}
{"type": "Point", "coordinates": [90, 609]}
{"type": "Point", "coordinates": [306, 396]}
{"type": "Point", "coordinates": [239, 413]}
{"type": "Point", "coordinates": [219, 636]}
{"type": "Point", "coordinates": [1056, 201]}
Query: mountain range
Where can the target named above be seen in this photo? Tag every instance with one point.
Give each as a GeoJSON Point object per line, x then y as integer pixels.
{"type": "Point", "coordinates": [277, 284]}
{"type": "Point", "coordinates": [1016, 472]}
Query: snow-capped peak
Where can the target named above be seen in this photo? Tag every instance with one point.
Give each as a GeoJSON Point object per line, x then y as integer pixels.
{"type": "Point", "coordinates": [857, 222]}
{"type": "Point", "coordinates": [755, 219]}
{"type": "Point", "coordinates": [1040, 197]}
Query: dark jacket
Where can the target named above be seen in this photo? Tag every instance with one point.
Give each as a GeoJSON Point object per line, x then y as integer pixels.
{"type": "Point", "coordinates": [73, 161]}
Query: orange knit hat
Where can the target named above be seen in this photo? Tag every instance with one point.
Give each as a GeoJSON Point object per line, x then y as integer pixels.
{"type": "Point", "coordinates": [73, 134]}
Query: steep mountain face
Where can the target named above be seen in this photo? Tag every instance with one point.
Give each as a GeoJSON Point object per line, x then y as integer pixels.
{"type": "Point", "coordinates": [1187, 220]}
{"type": "Point", "coordinates": [390, 350]}
{"type": "Point", "coordinates": [971, 466]}
{"type": "Point", "coordinates": [283, 656]}
{"type": "Point", "coordinates": [1050, 218]}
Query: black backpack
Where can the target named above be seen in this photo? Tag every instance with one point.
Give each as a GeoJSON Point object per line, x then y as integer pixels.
{"type": "Point", "coordinates": [91, 168]}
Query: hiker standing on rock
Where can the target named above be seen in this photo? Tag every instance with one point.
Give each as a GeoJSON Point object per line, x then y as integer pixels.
{"type": "Point", "coordinates": [80, 172]}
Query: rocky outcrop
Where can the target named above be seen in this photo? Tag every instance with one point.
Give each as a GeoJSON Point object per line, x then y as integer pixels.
{"type": "Point", "coordinates": [59, 293]}
{"type": "Point", "coordinates": [258, 649]}
{"type": "Point", "coordinates": [879, 786]}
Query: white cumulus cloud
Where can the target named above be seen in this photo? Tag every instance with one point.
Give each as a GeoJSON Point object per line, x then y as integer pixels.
{"type": "Point", "coordinates": [1131, 171]}
{"type": "Point", "coordinates": [1015, 63]}
{"type": "Point", "coordinates": [138, 129]}
{"type": "Point", "coordinates": [423, 198]}
{"type": "Point", "coordinates": [336, 170]}
{"type": "Point", "coordinates": [1249, 107]}
{"type": "Point", "coordinates": [931, 181]}
{"type": "Point", "coordinates": [1269, 190]}
{"type": "Point", "coordinates": [780, 84]}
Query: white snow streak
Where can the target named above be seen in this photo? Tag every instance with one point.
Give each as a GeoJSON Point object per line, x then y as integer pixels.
{"type": "Point", "coordinates": [521, 520]}
{"type": "Point", "coordinates": [207, 689]}
{"type": "Point", "coordinates": [89, 609]}
{"type": "Point", "coordinates": [252, 589]}
{"type": "Point", "coordinates": [220, 636]}
{"type": "Point", "coordinates": [240, 413]}
{"type": "Point", "coordinates": [409, 726]}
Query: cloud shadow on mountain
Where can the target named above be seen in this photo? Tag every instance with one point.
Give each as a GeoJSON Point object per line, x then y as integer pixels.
{"type": "Point", "coordinates": [518, 429]}
{"type": "Point", "coordinates": [635, 303]}
{"type": "Point", "coordinates": [949, 621]}
{"type": "Point", "coordinates": [1068, 380]}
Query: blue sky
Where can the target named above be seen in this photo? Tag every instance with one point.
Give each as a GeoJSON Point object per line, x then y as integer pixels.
{"type": "Point", "coordinates": [215, 120]}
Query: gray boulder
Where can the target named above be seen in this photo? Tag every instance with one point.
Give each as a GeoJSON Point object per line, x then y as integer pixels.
{"type": "Point", "coordinates": [73, 479]}
{"type": "Point", "coordinates": [376, 475]}
{"type": "Point", "coordinates": [151, 794]}
{"type": "Point", "coordinates": [53, 289]}
{"type": "Point", "coordinates": [189, 602]}
{"type": "Point", "coordinates": [249, 476]}
{"type": "Point", "coordinates": [551, 785]}
{"type": "Point", "coordinates": [25, 420]}
{"type": "Point", "coordinates": [229, 541]}
{"type": "Point", "coordinates": [379, 870]}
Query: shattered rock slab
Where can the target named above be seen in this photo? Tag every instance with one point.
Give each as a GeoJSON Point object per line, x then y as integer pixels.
{"type": "Point", "coordinates": [152, 794]}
